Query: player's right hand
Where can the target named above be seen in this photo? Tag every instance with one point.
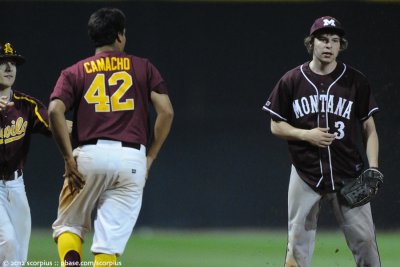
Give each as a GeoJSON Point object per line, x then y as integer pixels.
{"type": "Point", "coordinates": [4, 103]}
{"type": "Point", "coordinates": [74, 177]}
{"type": "Point", "coordinates": [320, 137]}
{"type": "Point", "coordinates": [70, 124]}
{"type": "Point", "coordinates": [149, 163]}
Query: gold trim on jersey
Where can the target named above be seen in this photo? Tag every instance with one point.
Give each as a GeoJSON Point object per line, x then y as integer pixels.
{"type": "Point", "coordinates": [36, 108]}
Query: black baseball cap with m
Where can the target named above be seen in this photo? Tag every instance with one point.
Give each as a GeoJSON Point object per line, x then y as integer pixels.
{"type": "Point", "coordinates": [327, 24]}
{"type": "Point", "coordinates": [7, 51]}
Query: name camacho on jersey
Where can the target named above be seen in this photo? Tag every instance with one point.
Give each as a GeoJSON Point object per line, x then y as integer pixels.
{"type": "Point", "coordinates": [17, 123]}
{"type": "Point", "coordinates": [110, 96]}
{"type": "Point", "coordinates": [339, 101]}
{"type": "Point", "coordinates": [107, 64]}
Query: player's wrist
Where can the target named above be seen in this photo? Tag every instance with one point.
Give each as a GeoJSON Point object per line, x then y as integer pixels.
{"type": "Point", "coordinates": [69, 159]}
{"type": "Point", "coordinates": [150, 157]}
{"type": "Point", "coordinates": [303, 135]}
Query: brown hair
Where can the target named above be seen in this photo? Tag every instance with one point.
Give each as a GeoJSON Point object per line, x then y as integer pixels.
{"type": "Point", "coordinates": [309, 43]}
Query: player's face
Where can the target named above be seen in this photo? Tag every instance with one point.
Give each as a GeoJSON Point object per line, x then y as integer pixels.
{"type": "Point", "coordinates": [8, 72]}
{"type": "Point", "coordinates": [326, 48]}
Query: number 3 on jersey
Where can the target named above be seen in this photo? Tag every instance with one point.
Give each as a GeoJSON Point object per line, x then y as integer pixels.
{"type": "Point", "coordinates": [97, 94]}
{"type": "Point", "coordinates": [339, 125]}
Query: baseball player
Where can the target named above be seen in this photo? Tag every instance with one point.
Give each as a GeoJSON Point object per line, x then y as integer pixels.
{"type": "Point", "coordinates": [20, 116]}
{"type": "Point", "coordinates": [110, 94]}
{"type": "Point", "coordinates": [318, 107]}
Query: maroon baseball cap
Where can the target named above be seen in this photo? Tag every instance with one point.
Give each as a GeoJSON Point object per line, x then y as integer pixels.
{"type": "Point", "coordinates": [327, 23]}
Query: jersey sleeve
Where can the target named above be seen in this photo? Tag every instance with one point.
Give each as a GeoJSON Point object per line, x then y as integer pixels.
{"type": "Point", "coordinates": [64, 89]}
{"type": "Point", "coordinates": [34, 111]}
{"type": "Point", "coordinates": [278, 103]}
{"type": "Point", "coordinates": [40, 118]}
{"type": "Point", "coordinates": [366, 102]}
{"type": "Point", "coordinates": [154, 80]}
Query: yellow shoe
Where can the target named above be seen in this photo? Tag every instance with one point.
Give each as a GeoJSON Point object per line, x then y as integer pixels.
{"type": "Point", "coordinates": [108, 260]}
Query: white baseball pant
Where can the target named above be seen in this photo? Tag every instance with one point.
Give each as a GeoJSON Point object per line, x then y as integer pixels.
{"type": "Point", "coordinates": [115, 178]}
{"type": "Point", "coordinates": [15, 222]}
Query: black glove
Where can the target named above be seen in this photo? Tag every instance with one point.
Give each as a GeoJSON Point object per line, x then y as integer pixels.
{"type": "Point", "coordinates": [361, 190]}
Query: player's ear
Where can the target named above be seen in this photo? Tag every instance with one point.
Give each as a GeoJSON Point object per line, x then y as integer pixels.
{"type": "Point", "coordinates": [119, 39]}
{"type": "Point", "coordinates": [120, 36]}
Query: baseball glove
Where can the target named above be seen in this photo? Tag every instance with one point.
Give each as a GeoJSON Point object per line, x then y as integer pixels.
{"type": "Point", "coordinates": [361, 190]}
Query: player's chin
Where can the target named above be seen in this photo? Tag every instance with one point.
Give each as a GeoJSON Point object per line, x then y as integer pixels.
{"type": "Point", "coordinates": [327, 60]}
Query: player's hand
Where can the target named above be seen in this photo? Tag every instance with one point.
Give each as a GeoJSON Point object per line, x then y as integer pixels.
{"type": "Point", "coordinates": [74, 177]}
{"type": "Point", "coordinates": [149, 163]}
{"type": "Point", "coordinates": [69, 125]}
{"type": "Point", "coordinates": [4, 103]}
{"type": "Point", "coordinates": [320, 137]}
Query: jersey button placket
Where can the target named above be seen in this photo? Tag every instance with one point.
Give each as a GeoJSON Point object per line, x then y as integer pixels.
{"type": "Point", "coordinates": [322, 90]}
{"type": "Point", "coordinates": [324, 152]}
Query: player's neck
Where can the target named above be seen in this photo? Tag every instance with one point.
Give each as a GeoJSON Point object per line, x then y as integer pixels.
{"type": "Point", "coordinates": [322, 68]}
{"type": "Point", "coordinates": [6, 92]}
{"type": "Point", "coordinates": [107, 48]}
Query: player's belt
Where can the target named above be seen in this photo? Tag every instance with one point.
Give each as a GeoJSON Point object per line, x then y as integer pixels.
{"type": "Point", "coordinates": [124, 144]}
{"type": "Point", "coordinates": [10, 176]}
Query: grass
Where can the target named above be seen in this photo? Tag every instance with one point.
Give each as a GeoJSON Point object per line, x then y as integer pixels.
{"type": "Point", "coordinates": [225, 248]}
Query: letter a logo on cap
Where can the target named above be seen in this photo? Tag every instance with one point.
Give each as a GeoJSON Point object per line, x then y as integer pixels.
{"type": "Point", "coordinates": [8, 49]}
{"type": "Point", "coordinates": [328, 22]}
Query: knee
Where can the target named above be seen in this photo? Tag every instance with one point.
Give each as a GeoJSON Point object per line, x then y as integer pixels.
{"type": "Point", "coordinates": [9, 246]}
{"type": "Point", "coordinates": [359, 234]}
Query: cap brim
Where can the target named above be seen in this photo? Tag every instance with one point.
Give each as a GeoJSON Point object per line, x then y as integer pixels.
{"type": "Point", "coordinates": [340, 32]}
{"type": "Point", "coordinates": [19, 60]}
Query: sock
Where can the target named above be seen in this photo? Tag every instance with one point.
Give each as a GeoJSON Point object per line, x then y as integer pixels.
{"type": "Point", "coordinates": [69, 249]}
{"type": "Point", "coordinates": [105, 260]}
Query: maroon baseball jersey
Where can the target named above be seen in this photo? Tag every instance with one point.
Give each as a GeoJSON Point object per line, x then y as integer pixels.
{"type": "Point", "coordinates": [18, 123]}
{"type": "Point", "coordinates": [110, 95]}
{"type": "Point", "coordinates": [340, 100]}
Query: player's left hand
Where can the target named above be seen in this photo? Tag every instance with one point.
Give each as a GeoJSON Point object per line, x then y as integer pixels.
{"type": "Point", "coordinates": [362, 189]}
{"type": "Point", "coordinates": [74, 177]}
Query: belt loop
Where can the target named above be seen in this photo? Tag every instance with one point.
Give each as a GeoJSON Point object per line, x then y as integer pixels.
{"type": "Point", "coordinates": [12, 176]}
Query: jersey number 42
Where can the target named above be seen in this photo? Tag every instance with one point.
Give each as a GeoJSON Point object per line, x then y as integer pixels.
{"type": "Point", "coordinates": [97, 93]}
